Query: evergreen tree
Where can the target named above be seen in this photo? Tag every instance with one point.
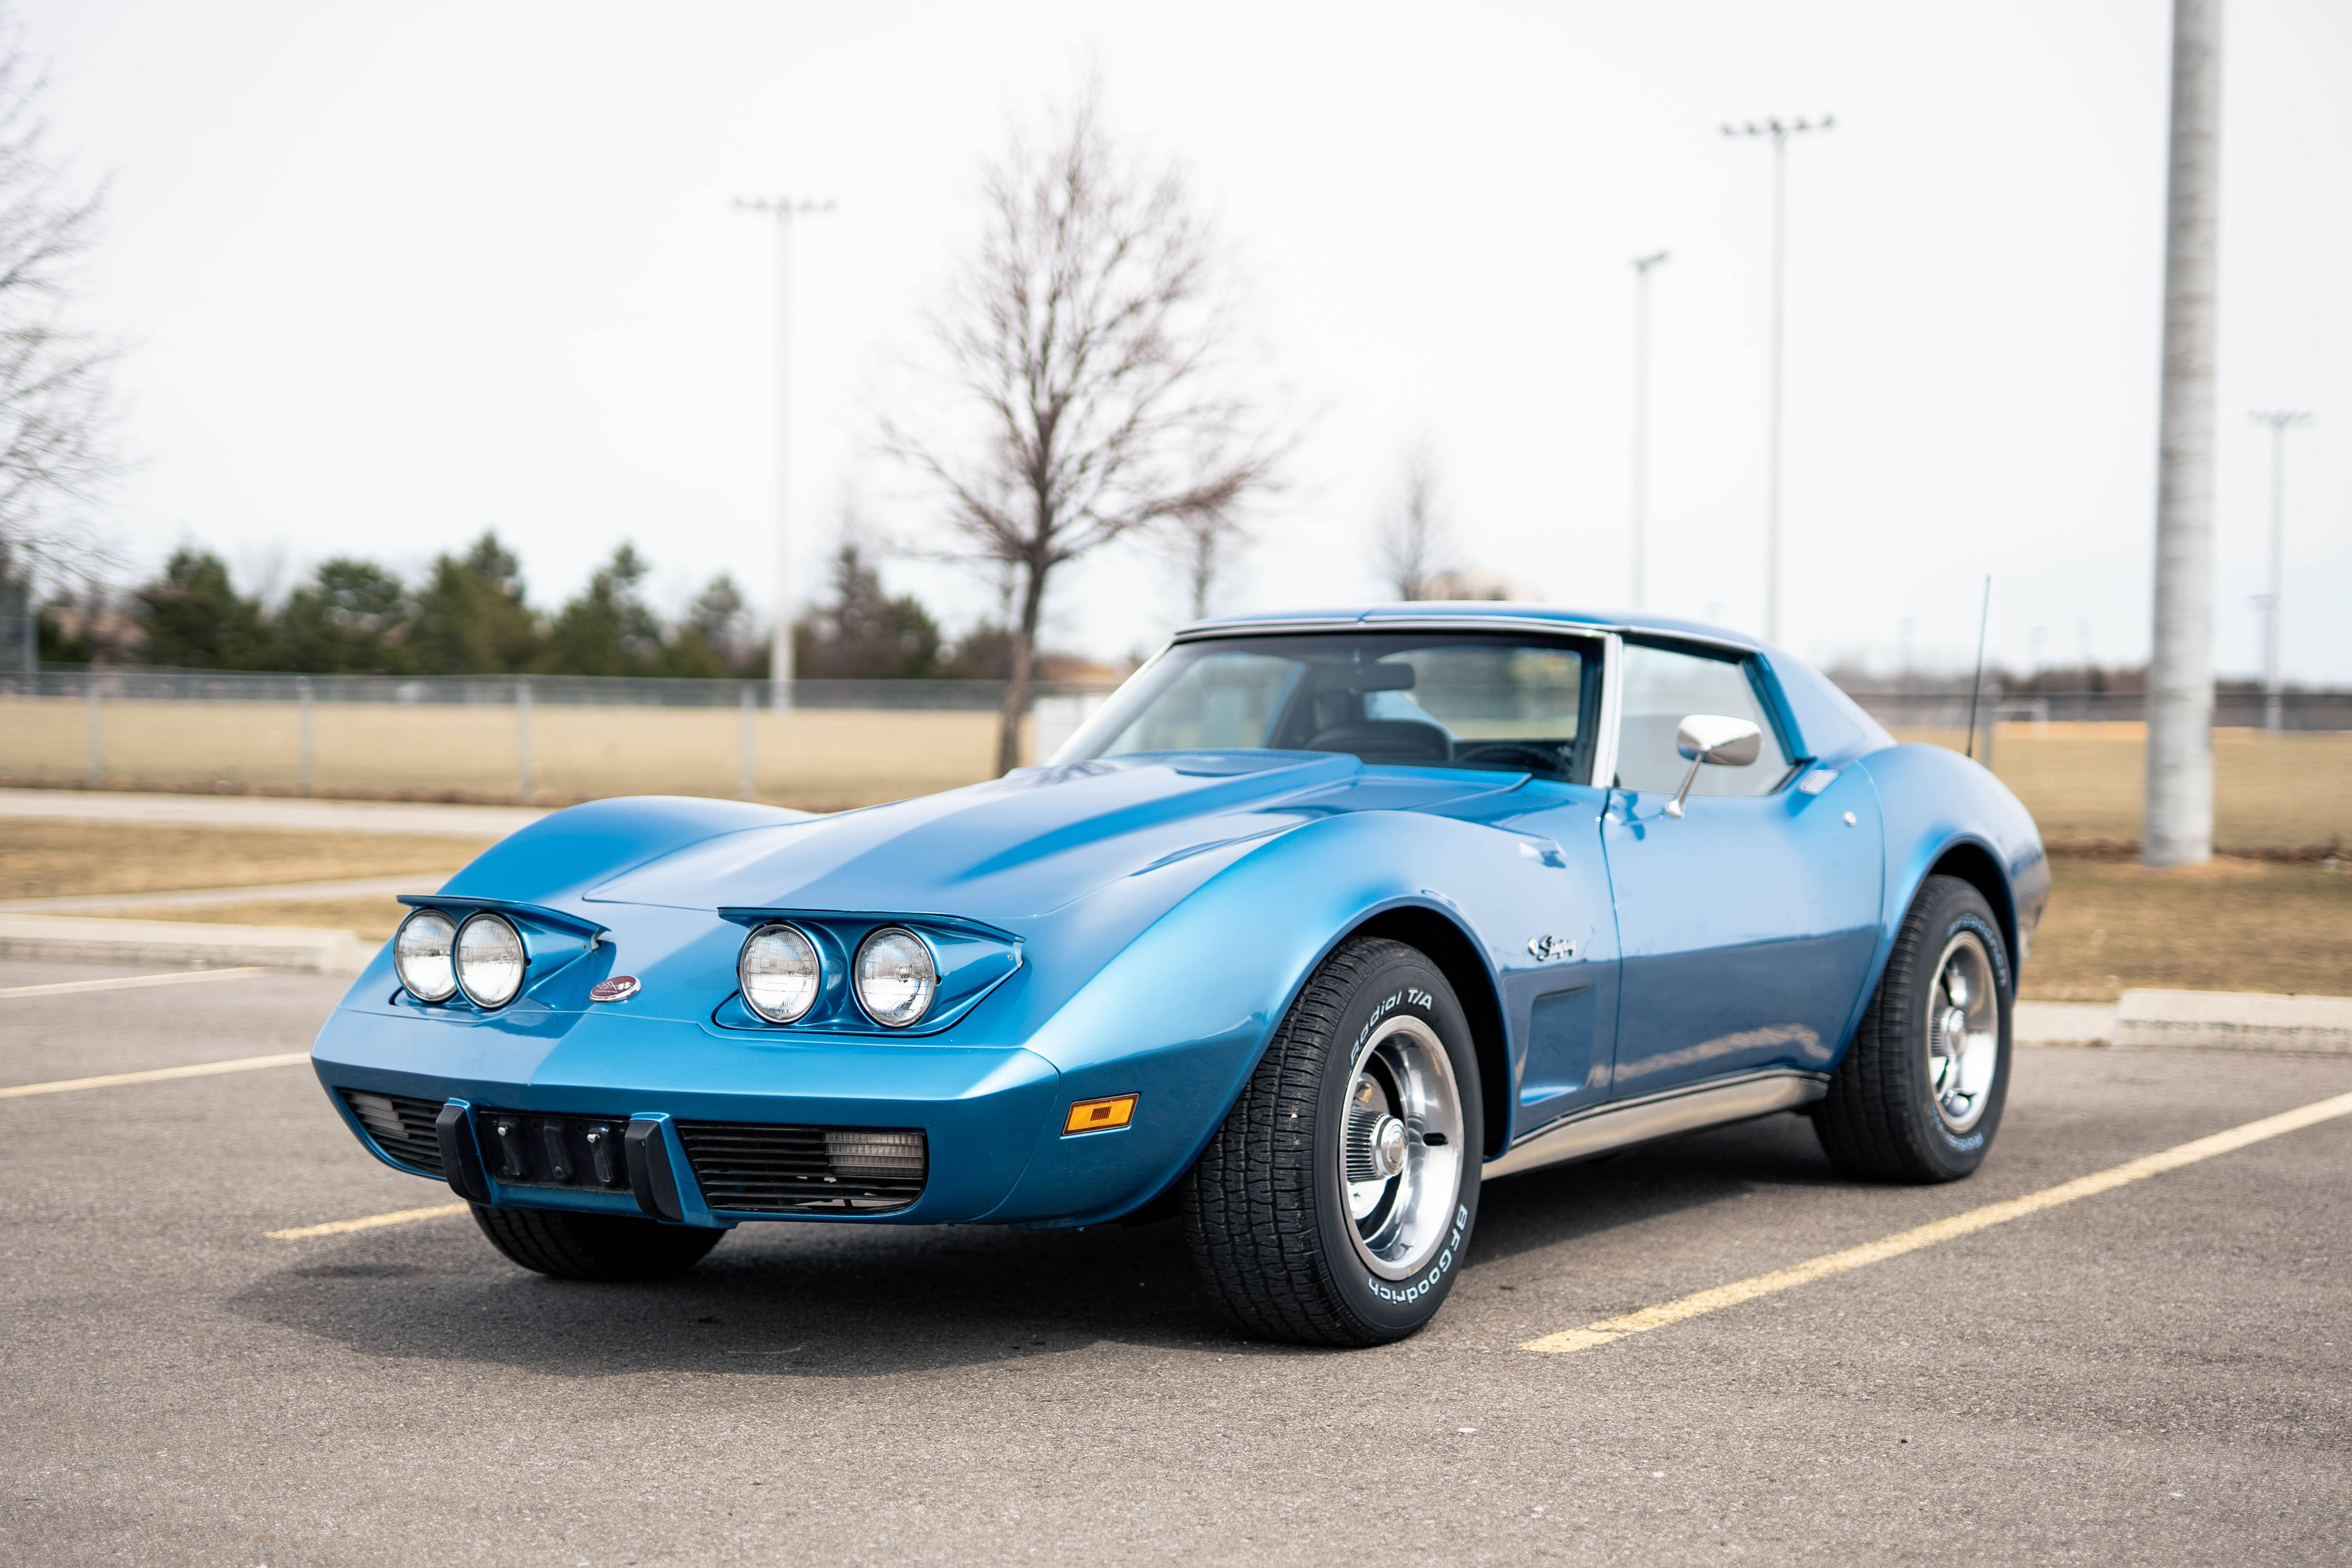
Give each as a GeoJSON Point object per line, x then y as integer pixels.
{"type": "Point", "coordinates": [607, 630]}
{"type": "Point", "coordinates": [715, 638]}
{"type": "Point", "coordinates": [471, 616]}
{"type": "Point", "coordinates": [863, 634]}
{"type": "Point", "coordinates": [193, 618]}
{"type": "Point", "coordinates": [351, 619]}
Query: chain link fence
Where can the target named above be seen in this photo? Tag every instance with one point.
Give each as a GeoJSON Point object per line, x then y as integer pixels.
{"type": "Point", "coordinates": [553, 740]}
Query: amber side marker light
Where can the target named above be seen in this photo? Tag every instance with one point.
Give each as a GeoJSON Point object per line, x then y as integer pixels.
{"type": "Point", "coordinates": [1099, 1115]}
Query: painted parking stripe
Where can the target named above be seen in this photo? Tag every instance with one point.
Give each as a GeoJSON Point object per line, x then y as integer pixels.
{"type": "Point", "coordinates": [131, 982]}
{"type": "Point", "coordinates": [158, 1075]}
{"type": "Point", "coordinates": [1608, 1330]}
{"type": "Point", "coordinates": [370, 1222]}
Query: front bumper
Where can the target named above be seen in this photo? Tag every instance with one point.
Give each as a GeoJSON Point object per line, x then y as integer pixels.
{"type": "Point", "coordinates": [656, 1086]}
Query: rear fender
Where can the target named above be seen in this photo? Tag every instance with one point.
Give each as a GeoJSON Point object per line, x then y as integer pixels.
{"type": "Point", "coordinates": [1945, 815]}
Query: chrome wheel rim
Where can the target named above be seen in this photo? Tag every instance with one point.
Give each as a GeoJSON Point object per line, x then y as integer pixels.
{"type": "Point", "coordinates": [1963, 1033]}
{"type": "Point", "coordinates": [1400, 1148]}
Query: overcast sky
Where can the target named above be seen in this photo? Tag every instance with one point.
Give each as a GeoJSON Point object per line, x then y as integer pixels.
{"type": "Point", "coordinates": [392, 273]}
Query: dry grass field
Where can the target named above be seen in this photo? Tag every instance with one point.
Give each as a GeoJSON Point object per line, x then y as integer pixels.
{"type": "Point", "coordinates": [54, 860]}
{"type": "Point", "coordinates": [815, 758]}
{"type": "Point", "coordinates": [2083, 782]}
{"type": "Point", "coordinates": [2227, 925]}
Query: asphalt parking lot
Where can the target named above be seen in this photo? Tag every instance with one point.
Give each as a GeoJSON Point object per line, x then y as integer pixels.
{"type": "Point", "coordinates": [2155, 1374]}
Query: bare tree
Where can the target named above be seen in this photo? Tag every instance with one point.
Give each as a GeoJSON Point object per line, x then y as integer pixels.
{"type": "Point", "coordinates": [1086, 346]}
{"type": "Point", "coordinates": [1203, 544]}
{"type": "Point", "coordinates": [1413, 534]}
{"type": "Point", "coordinates": [53, 393]}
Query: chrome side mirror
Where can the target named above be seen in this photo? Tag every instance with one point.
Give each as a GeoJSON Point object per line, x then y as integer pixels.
{"type": "Point", "coordinates": [1711, 740]}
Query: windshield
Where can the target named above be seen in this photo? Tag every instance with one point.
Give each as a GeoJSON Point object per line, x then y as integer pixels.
{"type": "Point", "coordinates": [1426, 699]}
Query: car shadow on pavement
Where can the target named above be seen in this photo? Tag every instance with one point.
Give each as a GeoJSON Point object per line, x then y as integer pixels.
{"type": "Point", "coordinates": [855, 1301]}
{"type": "Point", "coordinates": [811, 1301]}
{"type": "Point", "coordinates": [1549, 1208]}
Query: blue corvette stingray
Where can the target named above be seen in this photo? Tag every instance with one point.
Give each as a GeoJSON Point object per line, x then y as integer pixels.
{"type": "Point", "coordinates": [1319, 922]}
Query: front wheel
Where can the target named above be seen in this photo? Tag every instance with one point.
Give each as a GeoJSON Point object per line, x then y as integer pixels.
{"type": "Point", "coordinates": [1334, 1205]}
{"type": "Point", "coordinates": [604, 1247]}
{"type": "Point", "coordinates": [1919, 1095]}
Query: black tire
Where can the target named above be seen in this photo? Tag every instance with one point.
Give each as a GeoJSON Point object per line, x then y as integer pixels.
{"type": "Point", "coordinates": [611, 1248]}
{"type": "Point", "coordinates": [1879, 1121]}
{"type": "Point", "coordinates": [1263, 1208]}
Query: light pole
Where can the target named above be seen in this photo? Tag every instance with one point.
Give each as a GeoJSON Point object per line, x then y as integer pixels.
{"type": "Point", "coordinates": [2178, 825]}
{"type": "Point", "coordinates": [779, 651]}
{"type": "Point", "coordinates": [2274, 688]}
{"type": "Point", "coordinates": [1642, 265]}
{"type": "Point", "coordinates": [1779, 132]}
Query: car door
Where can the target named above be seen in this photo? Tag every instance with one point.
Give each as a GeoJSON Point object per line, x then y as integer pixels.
{"type": "Point", "coordinates": [1746, 927]}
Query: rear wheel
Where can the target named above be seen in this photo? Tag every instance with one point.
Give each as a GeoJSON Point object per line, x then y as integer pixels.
{"type": "Point", "coordinates": [1334, 1205]}
{"type": "Point", "coordinates": [606, 1247]}
{"type": "Point", "coordinates": [1919, 1095]}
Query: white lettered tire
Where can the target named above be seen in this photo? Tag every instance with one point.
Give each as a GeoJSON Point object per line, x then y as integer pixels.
{"type": "Point", "coordinates": [1335, 1204]}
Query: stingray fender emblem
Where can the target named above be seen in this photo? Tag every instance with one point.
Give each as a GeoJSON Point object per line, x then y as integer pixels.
{"type": "Point", "coordinates": [1547, 947]}
{"type": "Point", "coordinates": [619, 989]}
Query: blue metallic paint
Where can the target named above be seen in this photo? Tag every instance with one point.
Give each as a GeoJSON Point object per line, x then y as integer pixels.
{"type": "Point", "coordinates": [1748, 925]}
{"type": "Point", "coordinates": [1164, 912]}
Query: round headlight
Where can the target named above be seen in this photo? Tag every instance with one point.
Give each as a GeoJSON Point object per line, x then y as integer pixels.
{"type": "Point", "coordinates": [421, 955]}
{"type": "Point", "coordinates": [778, 971]}
{"type": "Point", "coordinates": [489, 960]}
{"type": "Point", "coordinates": [896, 977]}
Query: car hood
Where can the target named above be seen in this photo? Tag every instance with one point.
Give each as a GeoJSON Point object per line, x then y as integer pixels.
{"type": "Point", "coordinates": [1018, 848]}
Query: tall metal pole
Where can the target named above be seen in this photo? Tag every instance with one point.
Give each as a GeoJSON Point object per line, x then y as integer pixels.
{"type": "Point", "coordinates": [779, 651]}
{"type": "Point", "coordinates": [748, 771]}
{"type": "Point", "coordinates": [1642, 265]}
{"type": "Point", "coordinates": [2274, 682]}
{"type": "Point", "coordinates": [522, 743]}
{"type": "Point", "coordinates": [302, 685]}
{"type": "Point", "coordinates": [2178, 824]}
{"type": "Point", "coordinates": [1976, 686]}
{"type": "Point", "coordinates": [1779, 132]}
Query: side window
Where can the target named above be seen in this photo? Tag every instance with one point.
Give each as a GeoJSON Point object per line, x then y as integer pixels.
{"type": "Point", "coordinates": [1665, 685]}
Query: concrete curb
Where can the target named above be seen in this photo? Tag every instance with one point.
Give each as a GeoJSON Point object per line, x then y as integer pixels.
{"type": "Point", "coordinates": [2199, 1020]}
{"type": "Point", "coordinates": [2064, 1023]}
{"type": "Point", "coordinates": [269, 811]}
{"type": "Point", "coordinates": [2225, 1020]}
{"type": "Point", "coordinates": [178, 944]}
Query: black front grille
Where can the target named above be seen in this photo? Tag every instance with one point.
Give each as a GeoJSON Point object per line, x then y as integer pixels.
{"type": "Point", "coordinates": [525, 1148]}
{"type": "Point", "coordinates": [752, 1167]}
{"type": "Point", "coordinates": [401, 1126]}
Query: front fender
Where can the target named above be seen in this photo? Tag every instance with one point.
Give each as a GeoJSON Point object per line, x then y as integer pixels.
{"type": "Point", "coordinates": [1182, 1013]}
{"type": "Point", "coordinates": [562, 855]}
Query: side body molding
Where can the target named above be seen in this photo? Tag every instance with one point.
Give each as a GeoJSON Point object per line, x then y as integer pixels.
{"type": "Point", "coordinates": [1624, 1122]}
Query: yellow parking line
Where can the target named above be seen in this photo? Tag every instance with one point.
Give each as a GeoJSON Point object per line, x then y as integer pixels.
{"type": "Point", "coordinates": [157, 1074]}
{"type": "Point", "coordinates": [131, 982]}
{"type": "Point", "coordinates": [1703, 1302]}
{"type": "Point", "coordinates": [345, 1226]}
